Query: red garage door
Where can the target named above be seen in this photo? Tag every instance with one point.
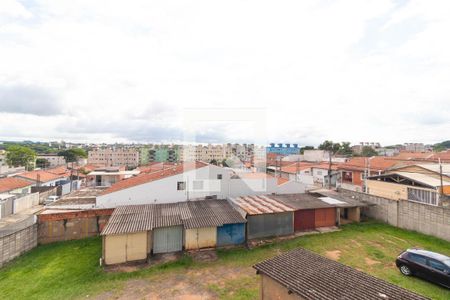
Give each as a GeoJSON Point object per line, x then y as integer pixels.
{"type": "Point", "coordinates": [304, 219]}
{"type": "Point", "coordinates": [325, 217]}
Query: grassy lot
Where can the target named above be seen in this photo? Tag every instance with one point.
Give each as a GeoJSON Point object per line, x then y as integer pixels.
{"type": "Point", "coordinates": [70, 269]}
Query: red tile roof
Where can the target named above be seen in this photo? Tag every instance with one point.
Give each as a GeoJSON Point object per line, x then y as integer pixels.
{"type": "Point", "coordinates": [42, 175]}
{"type": "Point", "coordinates": [293, 168]}
{"type": "Point", "coordinates": [155, 166]}
{"type": "Point", "coordinates": [379, 163]}
{"type": "Point", "coordinates": [11, 183]}
{"type": "Point", "coordinates": [153, 176]}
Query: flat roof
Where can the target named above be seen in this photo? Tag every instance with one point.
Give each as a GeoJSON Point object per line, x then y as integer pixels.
{"type": "Point", "coordinates": [312, 276]}
{"type": "Point", "coordinates": [190, 214]}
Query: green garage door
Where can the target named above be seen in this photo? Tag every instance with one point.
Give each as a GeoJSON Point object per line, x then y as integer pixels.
{"type": "Point", "coordinates": [168, 239]}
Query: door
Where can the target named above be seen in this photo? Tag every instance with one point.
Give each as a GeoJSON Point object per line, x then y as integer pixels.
{"type": "Point", "coordinates": [198, 238]}
{"type": "Point", "coordinates": [231, 234]}
{"type": "Point", "coordinates": [325, 217]}
{"type": "Point", "coordinates": [418, 265]}
{"type": "Point", "coordinates": [137, 246]}
{"type": "Point", "coordinates": [439, 272]}
{"type": "Point", "coordinates": [115, 249]}
{"type": "Point", "coordinates": [304, 219]}
{"type": "Point", "coordinates": [168, 239]}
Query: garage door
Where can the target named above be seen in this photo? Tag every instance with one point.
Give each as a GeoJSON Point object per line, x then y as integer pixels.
{"type": "Point", "coordinates": [168, 239]}
{"type": "Point", "coordinates": [198, 238]}
{"type": "Point", "coordinates": [137, 246]}
{"type": "Point", "coordinates": [325, 217]}
{"type": "Point", "coordinates": [304, 219]}
{"type": "Point", "coordinates": [231, 234]}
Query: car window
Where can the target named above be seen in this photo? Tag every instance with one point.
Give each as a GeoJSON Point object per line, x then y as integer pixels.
{"type": "Point", "coordinates": [417, 258]}
{"type": "Point", "coordinates": [437, 265]}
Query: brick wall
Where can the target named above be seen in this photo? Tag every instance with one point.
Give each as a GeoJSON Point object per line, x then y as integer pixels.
{"type": "Point", "coordinates": [17, 243]}
{"type": "Point", "coordinates": [63, 226]}
{"type": "Point", "coordinates": [427, 219]}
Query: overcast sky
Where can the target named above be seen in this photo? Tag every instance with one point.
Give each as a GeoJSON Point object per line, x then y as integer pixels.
{"type": "Point", "coordinates": [255, 71]}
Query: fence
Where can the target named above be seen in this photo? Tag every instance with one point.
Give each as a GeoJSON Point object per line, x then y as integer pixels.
{"type": "Point", "coordinates": [427, 219]}
{"type": "Point", "coordinates": [25, 202]}
{"type": "Point", "coordinates": [17, 239]}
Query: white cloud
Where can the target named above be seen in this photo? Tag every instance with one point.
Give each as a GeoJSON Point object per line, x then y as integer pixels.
{"type": "Point", "coordinates": [314, 66]}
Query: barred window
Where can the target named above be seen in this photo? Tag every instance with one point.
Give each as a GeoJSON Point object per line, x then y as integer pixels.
{"type": "Point", "coordinates": [422, 196]}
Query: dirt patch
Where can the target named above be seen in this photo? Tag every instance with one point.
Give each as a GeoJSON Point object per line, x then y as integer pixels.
{"type": "Point", "coordinates": [189, 284]}
{"type": "Point", "coordinates": [371, 262]}
{"type": "Point", "coordinates": [334, 255]}
{"type": "Point", "coordinates": [204, 256]}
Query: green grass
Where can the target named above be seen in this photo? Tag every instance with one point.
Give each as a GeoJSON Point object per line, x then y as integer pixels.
{"type": "Point", "coordinates": [70, 270]}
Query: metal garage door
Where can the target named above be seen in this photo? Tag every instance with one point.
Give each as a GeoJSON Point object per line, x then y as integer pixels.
{"type": "Point", "coordinates": [304, 219]}
{"type": "Point", "coordinates": [231, 234]}
{"type": "Point", "coordinates": [325, 217]}
{"type": "Point", "coordinates": [168, 239]}
{"type": "Point", "coordinates": [198, 238]}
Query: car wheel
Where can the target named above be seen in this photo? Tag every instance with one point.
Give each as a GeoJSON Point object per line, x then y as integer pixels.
{"type": "Point", "coordinates": [405, 270]}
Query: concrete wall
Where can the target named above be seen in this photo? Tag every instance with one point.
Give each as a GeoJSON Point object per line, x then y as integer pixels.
{"type": "Point", "coordinates": [291, 187]}
{"type": "Point", "coordinates": [25, 202]}
{"type": "Point", "coordinates": [427, 219]}
{"type": "Point", "coordinates": [17, 243]}
{"type": "Point", "coordinates": [74, 225]}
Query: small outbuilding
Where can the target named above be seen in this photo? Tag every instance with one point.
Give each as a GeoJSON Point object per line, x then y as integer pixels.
{"type": "Point", "coordinates": [310, 212]}
{"type": "Point", "coordinates": [134, 232]}
{"type": "Point", "coordinates": [301, 274]}
{"type": "Point", "coordinates": [266, 217]}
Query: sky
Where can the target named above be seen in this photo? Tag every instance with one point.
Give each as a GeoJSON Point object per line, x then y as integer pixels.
{"type": "Point", "coordinates": [225, 71]}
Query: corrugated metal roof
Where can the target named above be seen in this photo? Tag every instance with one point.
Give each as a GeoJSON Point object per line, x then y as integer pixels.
{"type": "Point", "coordinates": [256, 205]}
{"type": "Point", "coordinates": [423, 178]}
{"type": "Point", "coordinates": [312, 276]}
{"type": "Point", "coordinates": [190, 214]}
{"type": "Point", "coordinates": [302, 201]}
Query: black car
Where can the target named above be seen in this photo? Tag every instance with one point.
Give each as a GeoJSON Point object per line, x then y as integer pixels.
{"type": "Point", "coordinates": [427, 265]}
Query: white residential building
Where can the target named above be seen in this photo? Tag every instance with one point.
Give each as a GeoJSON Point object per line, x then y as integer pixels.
{"type": "Point", "coordinates": [112, 157]}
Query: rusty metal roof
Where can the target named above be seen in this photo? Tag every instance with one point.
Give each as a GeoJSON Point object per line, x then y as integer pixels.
{"type": "Point", "coordinates": [257, 205]}
{"type": "Point", "coordinates": [312, 276]}
{"type": "Point", "coordinates": [190, 214]}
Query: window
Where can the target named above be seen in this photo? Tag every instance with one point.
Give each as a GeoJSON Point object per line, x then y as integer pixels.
{"type": "Point", "coordinates": [181, 185]}
{"type": "Point", "coordinates": [422, 196]}
{"type": "Point", "coordinates": [197, 185]}
{"type": "Point", "coordinates": [219, 176]}
{"type": "Point", "coordinates": [418, 259]}
{"type": "Point", "coordinates": [437, 265]}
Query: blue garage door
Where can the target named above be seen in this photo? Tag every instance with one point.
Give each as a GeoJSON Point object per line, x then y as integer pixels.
{"type": "Point", "coordinates": [231, 234]}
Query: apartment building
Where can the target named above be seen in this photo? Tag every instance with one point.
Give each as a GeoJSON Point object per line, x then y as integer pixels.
{"type": "Point", "coordinates": [54, 160]}
{"type": "Point", "coordinates": [112, 157]}
{"type": "Point", "coordinates": [244, 152]}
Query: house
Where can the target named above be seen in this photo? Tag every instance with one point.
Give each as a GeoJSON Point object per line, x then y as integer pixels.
{"type": "Point", "coordinates": [354, 171]}
{"type": "Point", "coordinates": [44, 178]}
{"type": "Point", "coordinates": [134, 232]}
{"type": "Point", "coordinates": [411, 186]}
{"type": "Point", "coordinates": [302, 274]}
{"type": "Point", "coordinates": [15, 185]}
{"type": "Point", "coordinates": [106, 177]}
{"type": "Point", "coordinates": [266, 217]}
{"type": "Point", "coordinates": [181, 182]}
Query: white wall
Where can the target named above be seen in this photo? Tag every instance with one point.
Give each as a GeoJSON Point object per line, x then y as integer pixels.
{"type": "Point", "coordinates": [256, 186]}
{"type": "Point", "coordinates": [291, 187]}
{"type": "Point", "coordinates": [25, 202]}
{"type": "Point", "coordinates": [165, 190]}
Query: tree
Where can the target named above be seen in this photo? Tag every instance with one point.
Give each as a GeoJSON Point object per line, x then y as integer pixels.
{"type": "Point", "coordinates": [17, 156]}
{"type": "Point", "coordinates": [345, 149]}
{"type": "Point", "coordinates": [368, 151]}
{"type": "Point", "coordinates": [332, 149]}
{"type": "Point", "coordinates": [213, 162]}
{"type": "Point", "coordinates": [42, 163]}
{"type": "Point", "coordinates": [73, 155]}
